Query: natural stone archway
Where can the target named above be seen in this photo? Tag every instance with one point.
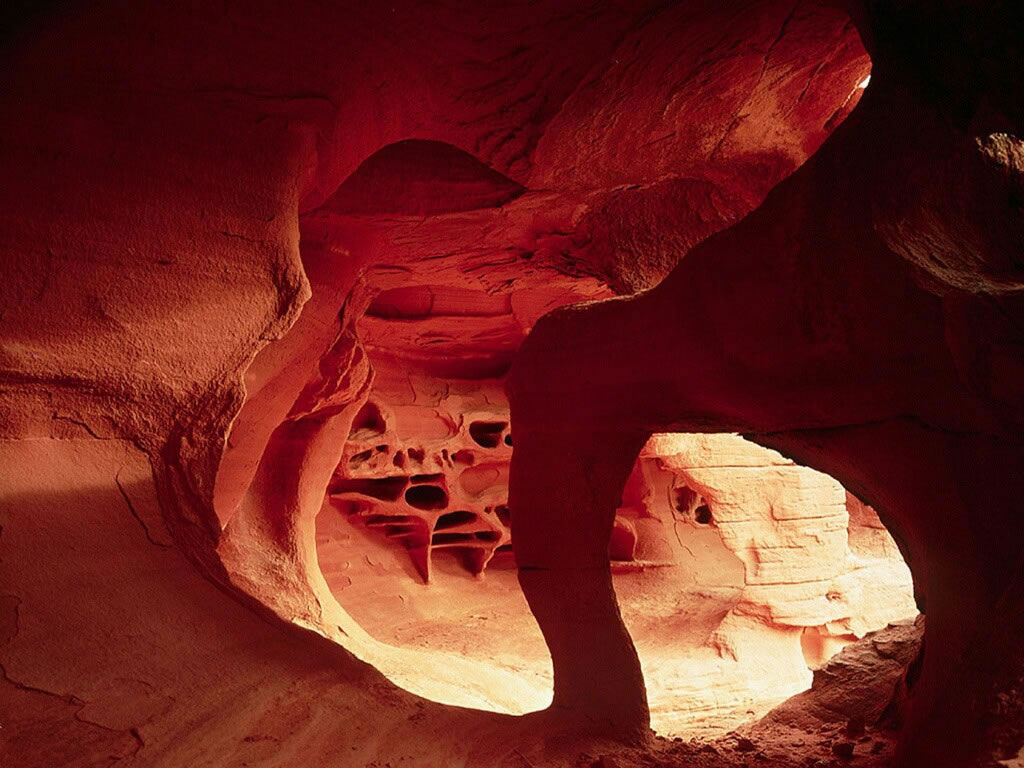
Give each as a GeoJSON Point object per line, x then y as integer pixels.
{"type": "Point", "coordinates": [414, 178]}
{"type": "Point", "coordinates": [808, 350]}
{"type": "Point", "coordinates": [736, 570]}
{"type": "Point", "coordinates": [197, 206]}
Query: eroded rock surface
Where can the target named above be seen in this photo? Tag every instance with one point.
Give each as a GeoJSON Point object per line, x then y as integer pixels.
{"type": "Point", "coordinates": [735, 568]}
{"type": "Point", "coordinates": [197, 208]}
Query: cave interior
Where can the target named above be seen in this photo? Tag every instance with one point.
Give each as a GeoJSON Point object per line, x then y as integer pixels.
{"type": "Point", "coordinates": [548, 384]}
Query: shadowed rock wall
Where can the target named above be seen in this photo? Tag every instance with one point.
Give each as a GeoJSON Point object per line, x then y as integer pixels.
{"type": "Point", "coordinates": [198, 206]}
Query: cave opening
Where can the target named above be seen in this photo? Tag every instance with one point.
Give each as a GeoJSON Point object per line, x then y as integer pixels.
{"type": "Point", "coordinates": [267, 281]}
{"type": "Point", "coordinates": [737, 571]}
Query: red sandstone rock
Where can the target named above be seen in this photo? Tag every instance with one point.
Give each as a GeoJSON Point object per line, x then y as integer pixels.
{"type": "Point", "coordinates": [197, 207]}
{"type": "Point", "coordinates": [859, 684]}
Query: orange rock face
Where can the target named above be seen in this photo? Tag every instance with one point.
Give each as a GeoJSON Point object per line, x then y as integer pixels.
{"type": "Point", "coordinates": [304, 305]}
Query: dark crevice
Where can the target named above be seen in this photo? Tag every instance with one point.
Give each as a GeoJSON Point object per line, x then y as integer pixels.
{"type": "Point", "coordinates": [454, 519]}
{"type": "Point", "coordinates": [487, 434]}
{"type": "Point", "coordinates": [135, 514]}
{"type": "Point", "coordinates": [368, 423]}
{"type": "Point", "coordinates": [383, 488]}
{"type": "Point", "coordinates": [426, 497]}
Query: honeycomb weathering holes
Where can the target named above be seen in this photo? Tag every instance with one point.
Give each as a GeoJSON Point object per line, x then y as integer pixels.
{"type": "Point", "coordinates": [456, 487]}
{"type": "Point", "coordinates": [426, 497]}
{"type": "Point", "coordinates": [488, 434]}
{"type": "Point", "coordinates": [452, 478]}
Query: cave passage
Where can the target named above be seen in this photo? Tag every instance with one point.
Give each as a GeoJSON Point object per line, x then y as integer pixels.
{"type": "Point", "coordinates": [358, 360]}
{"type": "Point", "coordinates": [736, 570]}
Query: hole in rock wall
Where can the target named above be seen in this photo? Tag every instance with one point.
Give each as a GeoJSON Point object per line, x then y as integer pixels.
{"type": "Point", "coordinates": [488, 434]}
{"type": "Point", "coordinates": [426, 497]}
{"type": "Point", "coordinates": [737, 571]}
